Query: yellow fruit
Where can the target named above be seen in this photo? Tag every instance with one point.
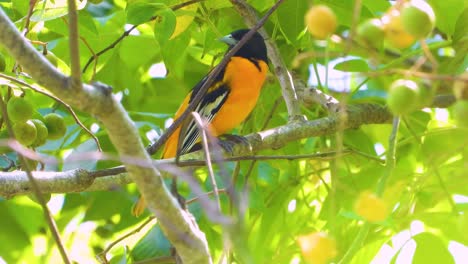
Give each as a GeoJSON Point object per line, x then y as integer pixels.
{"type": "Point", "coordinates": [42, 133]}
{"type": "Point", "coordinates": [55, 126]}
{"type": "Point", "coordinates": [317, 248]}
{"type": "Point", "coordinates": [460, 87]}
{"type": "Point", "coordinates": [403, 96]}
{"type": "Point", "coordinates": [395, 34]}
{"type": "Point", "coordinates": [371, 207]}
{"type": "Point", "coordinates": [320, 21]}
{"type": "Point", "coordinates": [19, 110]}
{"type": "Point", "coordinates": [460, 113]}
{"type": "Point", "coordinates": [25, 132]}
{"type": "Point", "coordinates": [371, 32]}
{"type": "Point", "coordinates": [418, 18]}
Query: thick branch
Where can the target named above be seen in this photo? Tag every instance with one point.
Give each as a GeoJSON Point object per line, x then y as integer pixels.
{"type": "Point", "coordinates": [14, 183]}
{"type": "Point", "coordinates": [97, 100]}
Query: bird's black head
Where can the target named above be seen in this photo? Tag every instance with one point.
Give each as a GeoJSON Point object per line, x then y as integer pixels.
{"type": "Point", "coordinates": [254, 48]}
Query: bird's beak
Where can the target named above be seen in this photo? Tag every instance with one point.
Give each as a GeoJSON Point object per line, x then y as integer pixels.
{"type": "Point", "coordinates": [228, 39]}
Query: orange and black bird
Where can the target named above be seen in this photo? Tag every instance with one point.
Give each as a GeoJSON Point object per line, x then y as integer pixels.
{"type": "Point", "coordinates": [228, 101]}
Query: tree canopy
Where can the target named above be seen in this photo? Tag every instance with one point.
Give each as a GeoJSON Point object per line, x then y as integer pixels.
{"type": "Point", "coordinates": [355, 152]}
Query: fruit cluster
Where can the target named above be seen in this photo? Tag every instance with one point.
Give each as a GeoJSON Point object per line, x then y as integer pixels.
{"type": "Point", "coordinates": [400, 27]}
{"type": "Point", "coordinates": [33, 132]}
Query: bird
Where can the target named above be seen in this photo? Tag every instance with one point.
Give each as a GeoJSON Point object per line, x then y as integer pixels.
{"type": "Point", "coordinates": [228, 101]}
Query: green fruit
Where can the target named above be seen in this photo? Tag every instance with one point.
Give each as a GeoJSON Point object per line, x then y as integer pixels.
{"type": "Point", "coordinates": [418, 18]}
{"type": "Point", "coordinates": [42, 133]}
{"type": "Point", "coordinates": [96, 2]}
{"type": "Point", "coordinates": [403, 97]}
{"type": "Point", "coordinates": [25, 132]}
{"type": "Point", "coordinates": [19, 110]}
{"type": "Point", "coordinates": [55, 125]}
{"type": "Point", "coordinates": [460, 113]}
{"type": "Point", "coordinates": [425, 96]}
{"type": "Point", "coordinates": [371, 31]}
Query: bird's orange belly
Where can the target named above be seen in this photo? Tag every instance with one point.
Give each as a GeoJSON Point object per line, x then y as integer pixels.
{"type": "Point", "coordinates": [246, 83]}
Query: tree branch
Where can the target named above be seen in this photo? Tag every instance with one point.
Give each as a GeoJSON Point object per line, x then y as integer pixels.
{"type": "Point", "coordinates": [97, 100]}
{"type": "Point", "coordinates": [13, 183]}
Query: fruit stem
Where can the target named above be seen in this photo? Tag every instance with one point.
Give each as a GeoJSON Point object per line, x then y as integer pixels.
{"type": "Point", "coordinates": [390, 157]}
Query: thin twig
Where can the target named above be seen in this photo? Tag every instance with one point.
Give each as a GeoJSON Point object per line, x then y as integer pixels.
{"type": "Point", "coordinates": [102, 256]}
{"type": "Point", "coordinates": [67, 106]}
{"type": "Point", "coordinates": [210, 79]}
{"type": "Point", "coordinates": [202, 126]}
{"type": "Point", "coordinates": [127, 33]}
{"type": "Point", "coordinates": [194, 199]}
{"type": "Point", "coordinates": [73, 38]}
{"type": "Point", "coordinates": [354, 22]}
{"type": "Point", "coordinates": [32, 4]}
{"type": "Point", "coordinates": [37, 191]}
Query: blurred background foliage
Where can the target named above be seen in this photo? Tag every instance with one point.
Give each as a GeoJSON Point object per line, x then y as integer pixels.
{"type": "Point", "coordinates": [154, 67]}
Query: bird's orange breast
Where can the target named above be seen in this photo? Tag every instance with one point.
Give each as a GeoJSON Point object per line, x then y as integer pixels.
{"type": "Point", "coordinates": [245, 81]}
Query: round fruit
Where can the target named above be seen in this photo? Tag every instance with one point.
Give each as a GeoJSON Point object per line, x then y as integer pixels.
{"type": "Point", "coordinates": [320, 21]}
{"type": "Point", "coordinates": [418, 18]}
{"type": "Point", "coordinates": [96, 2]}
{"type": "Point", "coordinates": [25, 132]}
{"type": "Point", "coordinates": [42, 133]}
{"type": "Point", "coordinates": [460, 113]}
{"type": "Point", "coordinates": [395, 33]}
{"type": "Point", "coordinates": [317, 247]}
{"type": "Point", "coordinates": [55, 126]}
{"type": "Point", "coordinates": [371, 31]}
{"type": "Point", "coordinates": [403, 97]}
{"type": "Point", "coordinates": [371, 207]}
{"type": "Point", "coordinates": [460, 87]}
{"type": "Point", "coordinates": [426, 95]}
{"type": "Point", "coordinates": [19, 110]}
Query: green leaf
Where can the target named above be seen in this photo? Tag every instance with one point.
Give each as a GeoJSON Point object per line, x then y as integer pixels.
{"type": "Point", "coordinates": [141, 12]}
{"type": "Point", "coordinates": [377, 7]}
{"type": "Point", "coordinates": [164, 25]}
{"type": "Point", "coordinates": [367, 253]}
{"type": "Point", "coordinates": [447, 13]}
{"type": "Point", "coordinates": [49, 10]}
{"type": "Point", "coordinates": [352, 65]}
{"type": "Point", "coordinates": [431, 249]}
{"type": "Point", "coordinates": [291, 18]}
{"type": "Point", "coordinates": [153, 244]}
